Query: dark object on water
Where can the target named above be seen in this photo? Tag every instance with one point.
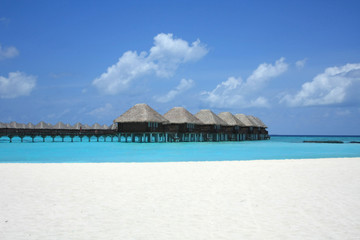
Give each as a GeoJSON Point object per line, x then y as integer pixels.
{"type": "Point", "coordinates": [354, 142]}
{"type": "Point", "coordinates": [323, 141]}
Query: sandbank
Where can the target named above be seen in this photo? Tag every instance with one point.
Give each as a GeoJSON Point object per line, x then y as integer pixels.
{"type": "Point", "coordinates": [262, 199]}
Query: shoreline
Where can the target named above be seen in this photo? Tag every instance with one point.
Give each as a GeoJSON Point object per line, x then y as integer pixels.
{"type": "Point", "coordinates": [255, 199]}
{"type": "Point", "coordinates": [210, 161]}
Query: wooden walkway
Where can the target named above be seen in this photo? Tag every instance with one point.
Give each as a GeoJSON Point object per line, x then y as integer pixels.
{"type": "Point", "coordinates": [114, 135]}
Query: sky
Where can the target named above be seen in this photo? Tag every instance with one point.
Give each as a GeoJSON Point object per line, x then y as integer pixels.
{"type": "Point", "coordinates": [293, 64]}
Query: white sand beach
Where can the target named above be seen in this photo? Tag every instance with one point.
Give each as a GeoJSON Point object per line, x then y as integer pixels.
{"type": "Point", "coordinates": [272, 199]}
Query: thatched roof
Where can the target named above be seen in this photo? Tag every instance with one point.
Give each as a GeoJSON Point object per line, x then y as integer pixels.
{"type": "Point", "coordinates": [30, 126]}
{"type": "Point", "coordinates": [3, 125]}
{"type": "Point", "coordinates": [14, 124]}
{"type": "Point", "coordinates": [181, 115]}
{"type": "Point", "coordinates": [105, 127]}
{"type": "Point", "coordinates": [141, 113]}
{"type": "Point", "coordinates": [210, 118]}
{"type": "Point", "coordinates": [254, 120]}
{"type": "Point", "coordinates": [260, 122]}
{"type": "Point", "coordinates": [113, 126]}
{"type": "Point", "coordinates": [85, 126]}
{"type": "Point", "coordinates": [96, 126]}
{"type": "Point", "coordinates": [43, 125]}
{"type": "Point", "coordinates": [245, 120]}
{"type": "Point", "coordinates": [77, 126]}
{"type": "Point", "coordinates": [60, 125]}
{"type": "Point", "coordinates": [230, 119]}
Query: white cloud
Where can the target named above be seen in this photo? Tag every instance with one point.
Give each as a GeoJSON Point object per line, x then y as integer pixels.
{"type": "Point", "coordinates": [335, 85]}
{"type": "Point", "coordinates": [264, 72]}
{"type": "Point", "coordinates": [101, 111]}
{"type": "Point", "coordinates": [16, 85]}
{"type": "Point", "coordinates": [236, 93]}
{"type": "Point", "coordinates": [301, 63]}
{"type": "Point", "coordinates": [259, 102]}
{"type": "Point", "coordinates": [183, 86]}
{"type": "Point", "coordinates": [8, 52]}
{"type": "Point", "coordinates": [163, 60]}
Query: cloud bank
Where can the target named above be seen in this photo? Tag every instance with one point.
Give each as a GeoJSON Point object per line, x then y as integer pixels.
{"type": "Point", "coordinates": [183, 86]}
{"type": "Point", "coordinates": [17, 84]}
{"type": "Point", "coordinates": [235, 92]}
{"type": "Point", "coordinates": [334, 86]}
{"type": "Point", "coordinates": [162, 60]}
{"type": "Point", "coordinates": [8, 52]}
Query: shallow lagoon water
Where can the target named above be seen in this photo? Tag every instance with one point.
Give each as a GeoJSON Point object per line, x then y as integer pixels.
{"type": "Point", "coordinates": [279, 147]}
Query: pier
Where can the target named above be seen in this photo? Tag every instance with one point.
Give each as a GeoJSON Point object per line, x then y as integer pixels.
{"type": "Point", "coordinates": [142, 124]}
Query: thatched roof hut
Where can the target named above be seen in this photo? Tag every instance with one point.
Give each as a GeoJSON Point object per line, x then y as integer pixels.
{"type": "Point", "coordinates": [141, 113]}
{"type": "Point", "coordinates": [245, 120]}
{"type": "Point", "coordinates": [96, 126]}
{"type": "Point", "coordinates": [262, 124]}
{"type": "Point", "coordinates": [60, 125]}
{"type": "Point", "coordinates": [180, 115]}
{"type": "Point", "coordinates": [230, 119]}
{"type": "Point", "coordinates": [85, 126]}
{"type": "Point", "coordinates": [105, 127]}
{"type": "Point", "coordinates": [113, 126]}
{"type": "Point", "coordinates": [77, 126]}
{"type": "Point", "coordinates": [43, 125]}
{"type": "Point", "coordinates": [3, 125]}
{"type": "Point", "coordinates": [254, 121]}
{"type": "Point", "coordinates": [209, 118]}
{"type": "Point", "coordinates": [14, 124]}
{"type": "Point", "coordinates": [30, 126]}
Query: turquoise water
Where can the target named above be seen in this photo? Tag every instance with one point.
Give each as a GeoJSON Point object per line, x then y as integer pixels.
{"type": "Point", "coordinates": [279, 147]}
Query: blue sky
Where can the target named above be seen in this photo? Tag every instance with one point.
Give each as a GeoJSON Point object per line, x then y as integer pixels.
{"type": "Point", "coordinates": [296, 65]}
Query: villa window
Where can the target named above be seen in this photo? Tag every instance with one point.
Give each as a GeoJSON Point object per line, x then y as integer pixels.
{"type": "Point", "coordinates": [217, 127]}
{"type": "Point", "coordinates": [190, 126]}
{"type": "Point", "coordinates": [153, 124]}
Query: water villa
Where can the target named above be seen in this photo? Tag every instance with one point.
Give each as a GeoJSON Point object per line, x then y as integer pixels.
{"type": "Point", "coordinates": [141, 123]}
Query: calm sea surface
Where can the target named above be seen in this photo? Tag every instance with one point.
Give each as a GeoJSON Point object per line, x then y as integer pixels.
{"type": "Point", "coordinates": [279, 147]}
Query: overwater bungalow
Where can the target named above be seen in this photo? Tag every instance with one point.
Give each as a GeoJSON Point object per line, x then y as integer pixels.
{"type": "Point", "coordinates": [261, 128]}
{"type": "Point", "coordinates": [235, 131]}
{"type": "Point", "coordinates": [30, 126]}
{"type": "Point", "coordinates": [182, 125]}
{"type": "Point", "coordinates": [141, 123]}
{"type": "Point", "coordinates": [249, 126]}
{"type": "Point", "coordinates": [2, 125]}
{"type": "Point", "coordinates": [256, 127]}
{"type": "Point", "coordinates": [96, 126]}
{"type": "Point", "coordinates": [212, 125]}
{"type": "Point", "coordinates": [60, 125]}
{"type": "Point", "coordinates": [43, 125]}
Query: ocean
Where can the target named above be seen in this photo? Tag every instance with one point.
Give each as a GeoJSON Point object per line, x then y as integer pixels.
{"type": "Point", "coordinates": [278, 147]}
